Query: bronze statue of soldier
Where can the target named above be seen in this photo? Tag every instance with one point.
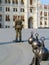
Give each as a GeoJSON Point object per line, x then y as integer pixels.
{"type": "Point", "coordinates": [18, 28]}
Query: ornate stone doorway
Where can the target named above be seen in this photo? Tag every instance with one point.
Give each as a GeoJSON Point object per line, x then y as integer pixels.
{"type": "Point", "coordinates": [30, 22]}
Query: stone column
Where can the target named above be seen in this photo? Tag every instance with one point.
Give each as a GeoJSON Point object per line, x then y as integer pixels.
{"type": "Point", "coordinates": [26, 15]}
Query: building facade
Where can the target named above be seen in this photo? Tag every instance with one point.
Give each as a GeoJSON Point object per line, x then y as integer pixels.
{"type": "Point", "coordinates": [44, 16]}
{"type": "Point", "coordinates": [32, 13]}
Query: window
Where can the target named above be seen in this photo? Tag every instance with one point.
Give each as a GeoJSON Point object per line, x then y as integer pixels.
{"type": "Point", "coordinates": [45, 6]}
{"type": "Point", "coordinates": [14, 9]}
{"type": "Point", "coordinates": [7, 26]}
{"type": "Point", "coordinates": [45, 13]}
{"type": "Point", "coordinates": [40, 23]}
{"type": "Point", "coordinates": [22, 9]}
{"type": "Point", "coordinates": [7, 1]}
{"type": "Point", "coordinates": [22, 1]}
{"type": "Point", "coordinates": [22, 18]}
{"type": "Point", "coordinates": [7, 18]}
{"type": "Point", "coordinates": [41, 13]}
{"type": "Point", "coordinates": [7, 9]}
{"type": "Point", "coordinates": [45, 23]}
{"type": "Point", "coordinates": [0, 17]}
{"type": "Point", "coordinates": [30, 2]}
{"type": "Point", "coordinates": [15, 1]}
{"type": "Point", "coordinates": [30, 10]}
{"type": "Point", "coordinates": [0, 8]}
{"type": "Point", "coordinates": [14, 17]}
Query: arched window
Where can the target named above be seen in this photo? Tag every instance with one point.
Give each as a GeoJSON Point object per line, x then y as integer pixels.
{"type": "Point", "coordinates": [30, 22]}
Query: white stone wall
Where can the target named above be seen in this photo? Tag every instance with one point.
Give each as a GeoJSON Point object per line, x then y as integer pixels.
{"type": "Point", "coordinates": [26, 14]}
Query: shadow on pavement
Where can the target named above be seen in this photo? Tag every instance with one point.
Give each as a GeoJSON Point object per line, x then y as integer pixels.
{"type": "Point", "coordinates": [14, 41]}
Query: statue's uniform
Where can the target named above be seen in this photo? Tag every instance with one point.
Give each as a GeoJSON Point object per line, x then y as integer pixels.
{"type": "Point", "coordinates": [18, 28]}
